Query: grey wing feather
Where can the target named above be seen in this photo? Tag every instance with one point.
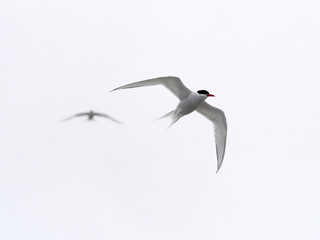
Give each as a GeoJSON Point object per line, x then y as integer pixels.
{"type": "Point", "coordinates": [218, 118]}
{"type": "Point", "coordinates": [174, 84]}
{"type": "Point", "coordinates": [106, 116]}
{"type": "Point", "coordinates": [76, 115]}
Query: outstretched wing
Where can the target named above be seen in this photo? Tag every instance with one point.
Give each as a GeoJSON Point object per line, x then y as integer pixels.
{"type": "Point", "coordinates": [174, 84]}
{"type": "Point", "coordinates": [217, 117]}
{"type": "Point", "coordinates": [106, 116]}
{"type": "Point", "coordinates": [76, 115]}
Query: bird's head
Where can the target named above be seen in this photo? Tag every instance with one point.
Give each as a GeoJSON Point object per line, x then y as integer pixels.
{"type": "Point", "coordinates": [205, 93]}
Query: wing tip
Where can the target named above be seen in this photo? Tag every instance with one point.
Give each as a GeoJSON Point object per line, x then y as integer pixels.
{"type": "Point", "coordinates": [118, 88]}
{"type": "Point", "coordinates": [121, 123]}
{"type": "Point", "coordinates": [219, 163]}
{"type": "Point", "coordinates": [65, 119]}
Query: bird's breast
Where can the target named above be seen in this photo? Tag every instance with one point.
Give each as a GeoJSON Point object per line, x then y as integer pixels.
{"type": "Point", "coordinates": [189, 104]}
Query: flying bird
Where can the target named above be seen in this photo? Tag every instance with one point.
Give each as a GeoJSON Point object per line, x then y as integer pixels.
{"type": "Point", "coordinates": [91, 115]}
{"type": "Point", "coordinates": [191, 101]}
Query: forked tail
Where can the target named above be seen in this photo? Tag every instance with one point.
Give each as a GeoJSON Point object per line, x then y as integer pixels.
{"type": "Point", "coordinates": [169, 114]}
{"type": "Point", "coordinates": [173, 122]}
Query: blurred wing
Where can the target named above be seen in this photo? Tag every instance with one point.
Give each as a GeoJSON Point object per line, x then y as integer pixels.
{"type": "Point", "coordinates": [106, 116]}
{"type": "Point", "coordinates": [217, 117]}
{"type": "Point", "coordinates": [174, 84]}
{"type": "Point", "coordinates": [76, 115]}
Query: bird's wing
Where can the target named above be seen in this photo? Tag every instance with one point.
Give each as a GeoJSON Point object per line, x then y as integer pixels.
{"type": "Point", "coordinates": [76, 115]}
{"type": "Point", "coordinates": [106, 116]}
{"type": "Point", "coordinates": [174, 84]}
{"type": "Point", "coordinates": [217, 117]}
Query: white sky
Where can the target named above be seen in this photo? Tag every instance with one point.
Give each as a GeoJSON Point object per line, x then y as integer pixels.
{"type": "Point", "coordinates": [99, 180]}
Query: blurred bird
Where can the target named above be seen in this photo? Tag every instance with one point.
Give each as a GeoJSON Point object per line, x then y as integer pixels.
{"type": "Point", "coordinates": [91, 116]}
{"type": "Point", "coordinates": [191, 101]}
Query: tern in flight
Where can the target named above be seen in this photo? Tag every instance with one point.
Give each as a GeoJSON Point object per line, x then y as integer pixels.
{"type": "Point", "coordinates": [191, 101]}
{"type": "Point", "coordinates": [91, 115]}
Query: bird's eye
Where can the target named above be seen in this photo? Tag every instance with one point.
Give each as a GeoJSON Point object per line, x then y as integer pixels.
{"type": "Point", "coordinates": [203, 92]}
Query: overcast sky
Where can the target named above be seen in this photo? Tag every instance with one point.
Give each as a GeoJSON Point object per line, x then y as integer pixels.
{"type": "Point", "coordinates": [100, 180]}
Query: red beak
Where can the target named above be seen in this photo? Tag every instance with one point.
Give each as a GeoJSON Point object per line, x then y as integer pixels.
{"type": "Point", "coordinates": [210, 95]}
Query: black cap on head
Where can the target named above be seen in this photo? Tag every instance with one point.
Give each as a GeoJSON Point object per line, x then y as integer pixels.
{"type": "Point", "coordinates": [205, 92]}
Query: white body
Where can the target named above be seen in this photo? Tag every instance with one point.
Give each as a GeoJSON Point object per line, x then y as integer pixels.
{"type": "Point", "coordinates": [189, 104]}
